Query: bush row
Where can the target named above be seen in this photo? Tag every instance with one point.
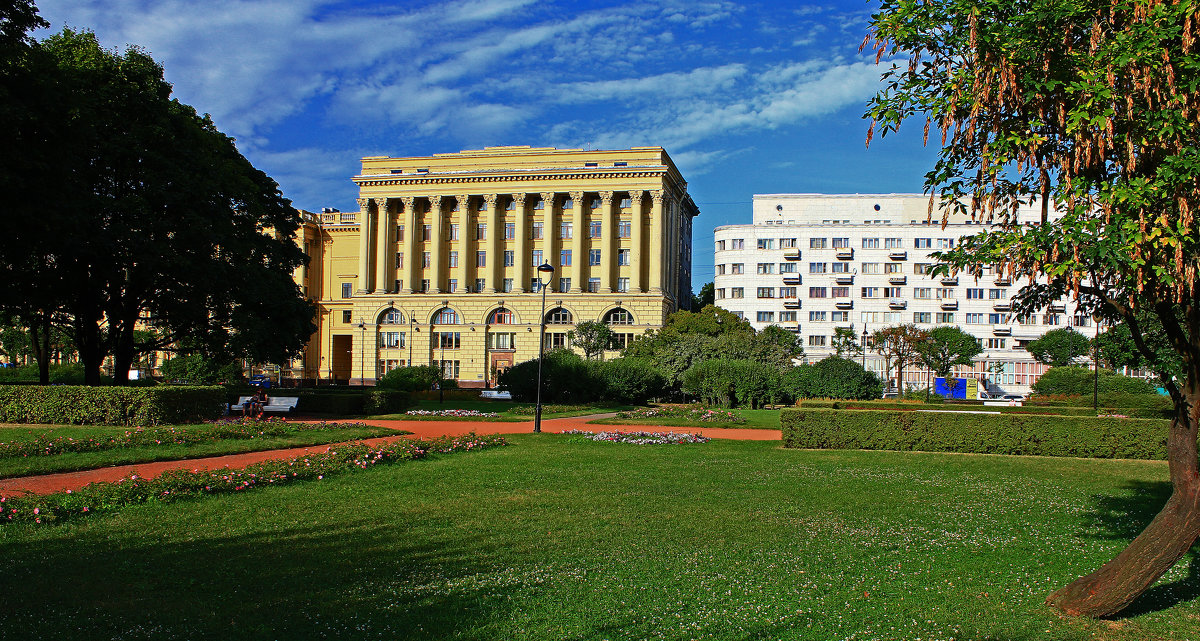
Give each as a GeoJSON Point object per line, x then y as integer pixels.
{"type": "Point", "coordinates": [129, 406]}
{"type": "Point", "coordinates": [1028, 408]}
{"type": "Point", "coordinates": [568, 378]}
{"type": "Point", "coordinates": [1041, 435]}
{"type": "Point", "coordinates": [342, 402]}
{"type": "Point", "coordinates": [182, 484]}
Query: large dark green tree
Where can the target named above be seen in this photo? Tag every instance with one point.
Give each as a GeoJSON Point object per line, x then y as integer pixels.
{"type": "Point", "coordinates": [1087, 109]}
{"type": "Point", "coordinates": [945, 348]}
{"type": "Point", "coordinates": [1059, 347]}
{"type": "Point", "coordinates": [146, 214]}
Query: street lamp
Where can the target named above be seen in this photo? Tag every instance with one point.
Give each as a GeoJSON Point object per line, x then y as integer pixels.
{"type": "Point", "coordinates": [1096, 364]}
{"type": "Point", "coordinates": [362, 352]}
{"type": "Point", "coordinates": [548, 270]}
{"type": "Point", "coordinates": [864, 346]}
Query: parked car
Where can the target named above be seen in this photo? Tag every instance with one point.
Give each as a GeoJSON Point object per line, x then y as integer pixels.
{"type": "Point", "coordinates": [1014, 397]}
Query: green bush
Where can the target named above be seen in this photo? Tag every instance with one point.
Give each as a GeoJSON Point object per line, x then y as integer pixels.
{"type": "Point", "coordinates": [731, 383]}
{"type": "Point", "coordinates": [386, 401]}
{"type": "Point", "coordinates": [1080, 381]}
{"type": "Point", "coordinates": [62, 374]}
{"type": "Point", "coordinates": [833, 377]}
{"type": "Point", "coordinates": [1041, 435]}
{"type": "Point", "coordinates": [630, 380]}
{"type": "Point", "coordinates": [347, 403]}
{"type": "Point", "coordinates": [566, 378]}
{"type": "Point", "coordinates": [129, 406]}
{"type": "Point", "coordinates": [194, 369]}
{"type": "Point", "coordinates": [414, 379]}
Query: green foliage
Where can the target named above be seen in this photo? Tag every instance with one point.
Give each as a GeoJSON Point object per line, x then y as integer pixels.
{"type": "Point", "coordinates": [734, 383]}
{"type": "Point", "coordinates": [195, 369]}
{"type": "Point", "coordinates": [706, 297]}
{"type": "Point", "coordinates": [1118, 349]}
{"type": "Point", "coordinates": [630, 380]}
{"type": "Point", "coordinates": [833, 377]}
{"type": "Point", "coordinates": [591, 336]}
{"type": "Point", "coordinates": [565, 379]}
{"type": "Point", "coordinates": [1038, 435]}
{"type": "Point", "coordinates": [62, 374]}
{"type": "Point", "coordinates": [899, 346]}
{"type": "Point", "coordinates": [414, 379]}
{"type": "Point", "coordinates": [1074, 380]}
{"type": "Point", "coordinates": [129, 406]}
{"type": "Point", "coordinates": [1059, 347]}
{"type": "Point", "coordinates": [947, 347]}
{"type": "Point", "coordinates": [845, 342]}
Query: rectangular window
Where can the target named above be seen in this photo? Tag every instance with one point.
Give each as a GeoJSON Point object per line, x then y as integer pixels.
{"type": "Point", "coordinates": [507, 285]}
{"type": "Point", "coordinates": [997, 294]}
{"type": "Point", "coordinates": [737, 243]}
{"type": "Point", "coordinates": [510, 231]}
{"type": "Point", "coordinates": [346, 316]}
{"type": "Point", "coordinates": [788, 268]}
{"type": "Point", "coordinates": [426, 258]}
{"type": "Point", "coordinates": [766, 317]}
{"type": "Point", "coordinates": [426, 233]}
{"type": "Point", "coordinates": [996, 319]}
{"type": "Point", "coordinates": [922, 269]}
{"type": "Point", "coordinates": [481, 259]}
{"type": "Point", "coordinates": [594, 228]}
{"type": "Point", "coordinates": [623, 285]}
{"type": "Point", "coordinates": [871, 268]}
{"type": "Point", "coordinates": [816, 316]}
{"type": "Point", "coordinates": [391, 340]}
{"type": "Point", "coordinates": [766, 268]}
{"type": "Point", "coordinates": [623, 259]}
{"type": "Point", "coordinates": [816, 341]}
{"type": "Point", "coordinates": [840, 292]}
{"type": "Point", "coordinates": [1050, 319]}
{"type": "Point", "coordinates": [923, 293]}
{"type": "Point", "coordinates": [817, 292]}
{"type": "Point", "coordinates": [892, 268]}
{"type": "Point", "coordinates": [399, 259]}
{"type": "Point", "coordinates": [787, 243]}
{"type": "Point", "coordinates": [945, 243]}
{"type": "Point", "coordinates": [945, 318]}
{"type": "Point", "coordinates": [502, 340]}
{"type": "Point", "coordinates": [891, 292]}
{"type": "Point", "coordinates": [510, 258]}
{"type": "Point", "coordinates": [347, 290]}
{"type": "Point", "coordinates": [996, 343]}
{"type": "Point", "coordinates": [893, 243]}
{"type": "Point", "coordinates": [922, 243]}
{"type": "Point", "coordinates": [816, 243]}
{"type": "Point", "coordinates": [452, 285]}
{"type": "Point", "coordinates": [816, 268]}
{"type": "Point", "coordinates": [565, 230]}
{"type": "Point", "coordinates": [535, 230]}
{"type": "Point", "coordinates": [625, 229]}
{"type": "Point", "coordinates": [839, 317]}
{"type": "Point", "coordinates": [537, 257]}
{"type": "Point", "coordinates": [480, 285]}
{"type": "Point", "coordinates": [720, 268]}
{"type": "Point", "coordinates": [974, 293]}
{"type": "Point", "coordinates": [974, 319]}
{"type": "Point", "coordinates": [787, 292]}
{"type": "Point", "coordinates": [870, 243]}
{"type": "Point", "coordinates": [454, 259]}
{"type": "Point", "coordinates": [593, 285]}
{"type": "Point", "coordinates": [922, 317]}
{"type": "Point", "coordinates": [841, 268]}
{"type": "Point", "coordinates": [425, 286]}
{"type": "Point", "coordinates": [453, 231]}
{"type": "Point", "coordinates": [534, 285]}
{"type": "Point", "coordinates": [766, 292]}
{"type": "Point", "coordinates": [720, 245]}
{"type": "Point", "coordinates": [564, 284]}
{"type": "Point", "coordinates": [870, 292]}
{"type": "Point", "coordinates": [737, 292]}
{"type": "Point", "coordinates": [593, 257]}
{"type": "Point", "coordinates": [720, 291]}
{"type": "Point", "coordinates": [737, 268]}
{"type": "Point", "coordinates": [787, 317]}
{"type": "Point", "coordinates": [564, 257]}
{"type": "Point", "coordinates": [399, 233]}
{"type": "Point", "coordinates": [766, 243]}
{"type": "Point", "coordinates": [945, 293]}
{"type": "Point", "coordinates": [481, 231]}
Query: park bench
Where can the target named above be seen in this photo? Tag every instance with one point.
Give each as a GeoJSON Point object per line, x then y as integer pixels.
{"type": "Point", "coordinates": [274, 403]}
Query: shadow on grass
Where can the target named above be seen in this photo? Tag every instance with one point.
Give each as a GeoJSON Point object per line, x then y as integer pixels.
{"type": "Point", "coordinates": [1122, 517]}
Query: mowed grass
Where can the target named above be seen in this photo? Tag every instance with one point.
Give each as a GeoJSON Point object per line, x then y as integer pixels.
{"type": "Point", "coordinates": [754, 419]}
{"type": "Point", "coordinates": [13, 466]}
{"type": "Point", "coordinates": [556, 539]}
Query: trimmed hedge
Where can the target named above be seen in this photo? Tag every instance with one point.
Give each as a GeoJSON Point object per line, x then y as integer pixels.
{"type": "Point", "coordinates": [1039, 435]}
{"type": "Point", "coordinates": [1077, 408]}
{"type": "Point", "coordinates": [128, 406]}
{"type": "Point", "coordinates": [338, 401]}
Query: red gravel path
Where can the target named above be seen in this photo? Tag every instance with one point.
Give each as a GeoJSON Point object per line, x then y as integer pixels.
{"type": "Point", "coordinates": [50, 483]}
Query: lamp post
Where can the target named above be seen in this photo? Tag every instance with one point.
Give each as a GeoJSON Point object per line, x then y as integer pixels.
{"type": "Point", "coordinates": [362, 352]}
{"type": "Point", "coordinates": [442, 369]}
{"type": "Point", "coordinates": [548, 270]}
{"type": "Point", "coordinates": [410, 338]}
{"type": "Point", "coordinates": [1096, 365]}
{"type": "Point", "coordinates": [864, 346]}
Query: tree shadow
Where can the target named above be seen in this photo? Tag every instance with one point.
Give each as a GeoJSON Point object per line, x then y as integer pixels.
{"type": "Point", "coordinates": [1122, 517]}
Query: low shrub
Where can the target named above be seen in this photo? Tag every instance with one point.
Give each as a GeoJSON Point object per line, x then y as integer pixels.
{"type": "Point", "coordinates": [1080, 381]}
{"type": "Point", "coordinates": [415, 379]}
{"type": "Point", "coordinates": [629, 380]}
{"type": "Point", "coordinates": [734, 383]}
{"type": "Point", "coordinates": [682, 413]}
{"type": "Point", "coordinates": [184, 484]}
{"type": "Point", "coordinates": [128, 406]}
{"type": "Point", "coordinates": [1041, 435]}
{"type": "Point", "coordinates": [833, 377]}
{"type": "Point", "coordinates": [640, 438]}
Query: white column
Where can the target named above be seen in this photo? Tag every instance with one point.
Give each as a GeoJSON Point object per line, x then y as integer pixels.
{"type": "Point", "coordinates": [636, 243]}
{"type": "Point", "coordinates": [521, 265]}
{"type": "Point", "coordinates": [411, 245]}
{"type": "Point", "coordinates": [580, 270]}
{"type": "Point", "coordinates": [549, 233]}
{"type": "Point", "coordinates": [383, 248]}
{"type": "Point", "coordinates": [658, 254]}
{"type": "Point", "coordinates": [495, 238]}
{"type": "Point", "coordinates": [464, 245]}
{"type": "Point", "coordinates": [364, 245]}
{"type": "Point", "coordinates": [608, 241]}
{"type": "Point", "coordinates": [436, 246]}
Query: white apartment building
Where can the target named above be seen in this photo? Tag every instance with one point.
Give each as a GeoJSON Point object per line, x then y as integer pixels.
{"type": "Point", "coordinates": [814, 262]}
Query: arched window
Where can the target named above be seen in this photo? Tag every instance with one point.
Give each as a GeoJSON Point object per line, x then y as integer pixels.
{"type": "Point", "coordinates": [502, 316]}
{"type": "Point", "coordinates": [558, 316]}
{"type": "Point", "coordinates": [391, 316]}
{"type": "Point", "coordinates": [445, 316]}
{"type": "Point", "coordinates": [618, 316]}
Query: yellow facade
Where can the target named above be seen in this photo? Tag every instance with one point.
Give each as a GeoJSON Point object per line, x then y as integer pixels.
{"type": "Point", "coordinates": [439, 265]}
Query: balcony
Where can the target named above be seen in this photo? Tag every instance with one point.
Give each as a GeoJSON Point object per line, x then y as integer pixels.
{"type": "Point", "coordinates": [845, 253]}
{"type": "Point", "coordinates": [794, 329]}
{"type": "Point", "coordinates": [1002, 331]}
{"type": "Point", "coordinates": [1002, 307]}
{"type": "Point", "coordinates": [791, 254]}
{"type": "Point", "coordinates": [843, 279]}
{"type": "Point", "coordinates": [1003, 281]}
{"type": "Point", "coordinates": [896, 303]}
{"type": "Point", "coordinates": [949, 280]}
{"type": "Point", "coordinates": [791, 279]}
{"type": "Point", "coordinates": [791, 304]}
{"type": "Point", "coordinates": [949, 305]}
{"type": "Point", "coordinates": [898, 280]}
{"type": "Point", "coordinates": [844, 304]}
{"type": "Point", "coordinates": [898, 255]}
{"type": "Point", "coordinates": [1058, 308]}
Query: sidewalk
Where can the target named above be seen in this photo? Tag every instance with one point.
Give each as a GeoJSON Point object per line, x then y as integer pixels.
{"type": "Point", "coordinates": [50, 483]}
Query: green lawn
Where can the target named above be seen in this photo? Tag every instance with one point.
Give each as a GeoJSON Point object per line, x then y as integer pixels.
{"type": "Point", "coordinates": [509, 411]}
{"type": "Point", "coordinates": [755, 419]}
{"type": "Point", "coordinates": [11, 466]}
{"type": "Point", "coordinates": [558, 539]}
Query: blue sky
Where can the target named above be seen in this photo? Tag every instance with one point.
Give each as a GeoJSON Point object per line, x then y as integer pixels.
{"type": "Point", "coordinates": [747, 97]}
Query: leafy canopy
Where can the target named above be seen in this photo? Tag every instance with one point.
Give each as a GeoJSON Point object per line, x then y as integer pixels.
{"type": "Point", "coordinates": [1059, 347]}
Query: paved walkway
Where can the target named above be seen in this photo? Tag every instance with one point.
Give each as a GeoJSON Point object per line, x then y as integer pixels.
{"type": "Point", "coordinates": [50, 483]}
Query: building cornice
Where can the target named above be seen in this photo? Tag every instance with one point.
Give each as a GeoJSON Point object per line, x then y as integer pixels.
{"type": "Point", "coordinates": [397, 180]}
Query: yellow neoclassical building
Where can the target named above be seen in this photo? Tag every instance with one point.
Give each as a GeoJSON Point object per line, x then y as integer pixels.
{"type": "Point", "coordinates": [439, 264]}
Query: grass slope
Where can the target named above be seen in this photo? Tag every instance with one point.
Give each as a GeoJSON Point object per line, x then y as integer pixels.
{"type": "Point", "coordinates": [555, 539]}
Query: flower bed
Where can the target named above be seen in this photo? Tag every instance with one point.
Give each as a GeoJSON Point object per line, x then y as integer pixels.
{"type": "Point", "coordinates": [454, 413]}
{"type": "Point", "coordinates": [181, 484]}
{"type": "Point", "coordinates": [683, 413]}
{"type": "Point", "coordinates": [551, 408]}
{"type": "Point", "coordinates": [225, 429]}
{"type": "Point", "coordinates": [640, 438]}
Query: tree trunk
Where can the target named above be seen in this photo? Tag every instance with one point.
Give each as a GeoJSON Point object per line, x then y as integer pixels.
{"type": "Point", "coordinates": [91, 353]}
{"type": "Point", "coordinates": [39, 340]}
{"type": "Point", "coordinates": [1168, 537]}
